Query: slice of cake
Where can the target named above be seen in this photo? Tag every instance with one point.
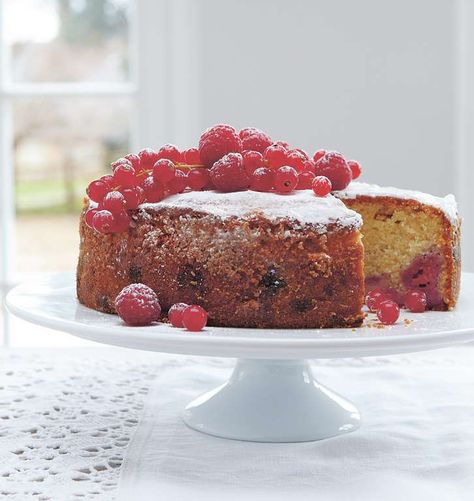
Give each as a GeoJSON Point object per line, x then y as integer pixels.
{"type": "Point", "coordinates": [250, 259]}
{"type": "Point", "coordinates": [411, 241]}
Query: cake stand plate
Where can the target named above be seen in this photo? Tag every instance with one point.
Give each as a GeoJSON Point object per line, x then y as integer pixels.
{"type": "Point", "coordinates": [272, 395]}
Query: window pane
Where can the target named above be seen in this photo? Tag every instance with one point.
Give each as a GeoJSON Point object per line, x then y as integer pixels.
{"type": "Point", "coordinates": [60, 145]}
{"type": "Point", "coordinates": [68, 40]}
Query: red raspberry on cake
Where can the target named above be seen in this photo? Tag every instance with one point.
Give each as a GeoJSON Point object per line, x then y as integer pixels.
{"type": "Point", "coordinates": [256, 141]}
{"type": "Point", "coordinates": [228, 174]}
{"type": "Point", "coordinates": [334, 166]}
{"type": "Point", "coordinates": [137, 304]}
{"type": "Point", "coordinates": [217, 142]}
{"type": "Point", "coordinates": [247, 131]}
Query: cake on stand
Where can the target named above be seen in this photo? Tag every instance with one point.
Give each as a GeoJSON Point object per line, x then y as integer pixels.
{"type": "Point", "coordinates": [272, 394]}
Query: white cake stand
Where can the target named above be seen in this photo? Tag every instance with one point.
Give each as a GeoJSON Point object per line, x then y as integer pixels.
{"type": "Point", "coordinates": [272, 395]}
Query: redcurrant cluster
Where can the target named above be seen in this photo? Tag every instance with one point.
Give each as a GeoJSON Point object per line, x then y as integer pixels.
{"type": "Point", "coordinates": [386, 307]}
{"type": "Point", "coordinates": [138, 305]}
{"type": "Point", "coordinates": [226, 161]}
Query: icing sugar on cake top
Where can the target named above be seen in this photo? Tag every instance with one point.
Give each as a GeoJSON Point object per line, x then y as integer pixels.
{"type": "Point", "coordinates": [300, 206]}
{"type": "Point", "coordinates": [446, 204]}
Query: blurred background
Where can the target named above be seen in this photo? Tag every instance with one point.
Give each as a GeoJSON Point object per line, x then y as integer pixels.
{"type": "Point", "coordinates": [83, 82]}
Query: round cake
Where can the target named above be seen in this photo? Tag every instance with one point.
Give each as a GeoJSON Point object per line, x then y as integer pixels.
{"type": "Point", "coordinates": [250, 259]}
{"type": "Point", "coordinates": [254, 233]}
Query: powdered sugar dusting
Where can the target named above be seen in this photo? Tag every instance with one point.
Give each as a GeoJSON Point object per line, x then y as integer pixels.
{"type": "Point", "coordinates": [446, 204]}
{"type": "Point", "coordinates": [301, 206]}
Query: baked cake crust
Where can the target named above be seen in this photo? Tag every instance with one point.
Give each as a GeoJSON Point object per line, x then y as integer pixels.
{"type": "Point", "coordinates": [256, 269]}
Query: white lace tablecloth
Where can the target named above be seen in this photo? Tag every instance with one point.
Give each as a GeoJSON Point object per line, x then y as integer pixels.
{"type": "Point", "coordinates": [67, 417]}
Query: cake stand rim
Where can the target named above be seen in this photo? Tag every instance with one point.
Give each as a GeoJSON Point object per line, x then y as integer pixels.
{"type": "Point", "coordinates": [180, 342]}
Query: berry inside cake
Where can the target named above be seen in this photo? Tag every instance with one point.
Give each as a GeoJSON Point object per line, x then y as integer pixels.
{"type": "Point", "coordinates": [247, 228]}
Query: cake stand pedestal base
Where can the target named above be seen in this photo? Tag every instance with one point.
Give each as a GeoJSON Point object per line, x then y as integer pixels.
{"type": "Point", "coordinates": [272, 401]}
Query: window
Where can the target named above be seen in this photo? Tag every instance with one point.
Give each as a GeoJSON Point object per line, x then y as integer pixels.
{"type": "Point", "coordinates": [67, 101]}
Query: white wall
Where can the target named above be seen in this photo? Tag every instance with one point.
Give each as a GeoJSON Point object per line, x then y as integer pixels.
{"type": "Point", "coordinates": [379, 81]}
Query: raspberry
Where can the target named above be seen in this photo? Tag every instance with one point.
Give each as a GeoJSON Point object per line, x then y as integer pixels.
{"type": "Point", "coordinates": [252, 160]}
{"type": "Point", "coordinates": [305, 180]}
{"type": "Point", "coordinates": [229, 174]}
{"type": "Point", "coordinates": [89, 216]}
{"type": "Point", "coordinates": [262, 179]}
{"type": "Point", "coordinates": [321, 186]}
{"type": "Point", "coordinates": [388, 312]}
{"type": "Point", "coordinates": [175, 314]}
{"type": "Point", "coordinates": [97, 190]}
{"type": "Point", "coordinates": [286, 179]}
{"type": "Point", "coordinates": [191, 157]}
{"type": "Point", "coordinates": [121, 222]}
{"type": "Point", "coordinates": [194, 318]}
{"type": "Point", "coordinates": [355, 167]}
{"type": "Point", "coordinates": [373, 299]}
{"type": "Point", "coordinates": [248, 131]}
{"type": "Point", "coordinates": [283, 144]}
{"type": "Point", "coordinates": [164, 170]}
{"type": "Point", "coordinates": [178, 183]}
{"type": "Point", "coordinates": [416, 301]}
{"type": "Point", "coordinates": [154, 191]}
{"type": "Point", "coordinates": [275, 156]}
{"type": "Point", "coordinates": [103, 221]}
{"type": "Point", "coordinates": [148, 157]}
{"type": "Point", "coordinates": [114, 202]}
{"type": "Point", "coordinates": [296, 159]}
{"type": "Point", "coordinates": [124, 175]}
{"type": "Point", "coordinates": [198, 179]}
{"type": "Point", "coordinates": [170, 152]}
{"type": "Point", "coordinates": [256, 141]}
{"type": "Point", "coordinates": [137, 304]}
{"type": "Point", "coordinates": [335, 168]}
{"type": "Point", "coordinates": [217, 142]}
{"type": "Point", "coordinates": [319, 154]}
{"type": "Point", "coordinates": [133, 197]}
{"type": "Point", "coordinates": [134, 160]}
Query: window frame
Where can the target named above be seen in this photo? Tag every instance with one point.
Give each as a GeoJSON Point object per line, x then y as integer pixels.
{"type": "Point", "coordinates": [9, 92]}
